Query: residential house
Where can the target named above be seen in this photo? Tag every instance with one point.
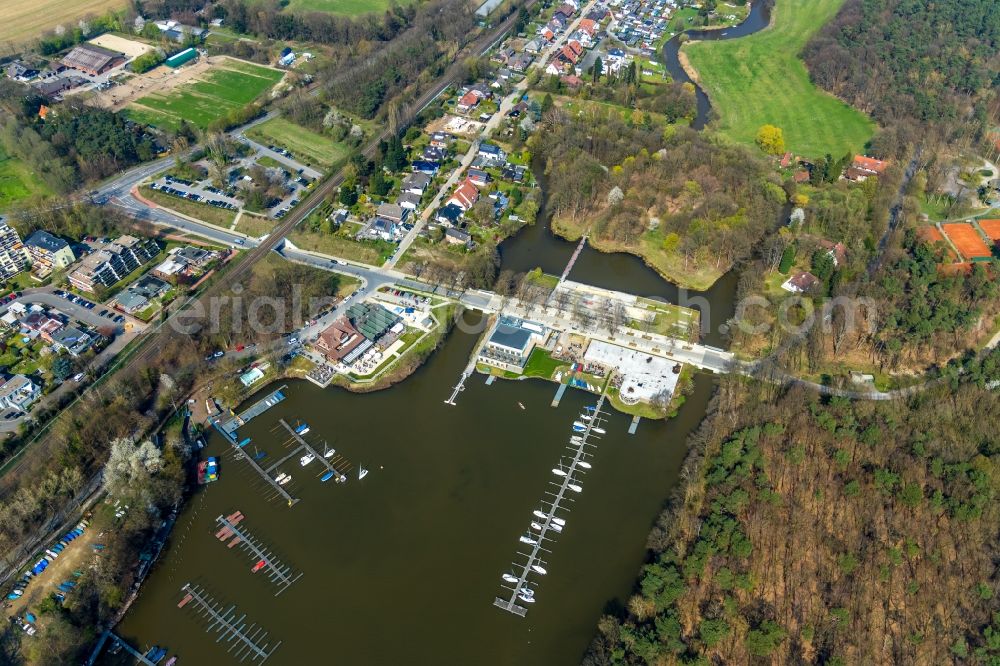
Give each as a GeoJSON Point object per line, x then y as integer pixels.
{"type": "Point", "coordinates": [465, 195]}
{"type": "Point", "coordinates": [450, 214]}
{"type": "Point", "coordinates": [800, 282]}
{"type": "Point", "coordinates": [13, 256]}
{"type": "Point", "coordinates": [531, 47]}
{"type": "Point", "coordinates": [837, 251]}
{"type": "Point", "coordinates": [416, 183]}
{"type": "Point", "coordinates": [48, 252]}
{"type": "Point", "coordinates": [131, 301]}
{"type": "Point", "coordinates": [20, 71]}
{"type": "Point", "coordinates": [382, 229]}
{"type": "Point", "coordinates": [393, 212]}
{"type": "Point", "coordinates": [19, 392]}
{"type": "Point", "coordinates": [41, 324]}
{"type": "Point", "coordinates": [441, 140]}
{"type": "Point", "coordinates": [521, 62]}
{"type": "Point", "coordinates": [513, 172]}
{"type": "Point", "coordinates": [458, 237]}
{"type": "Point", "coordinates": [434, 154]}
{"type": "Point", "coordinates": [492, 154]}
{"type": "Point", "coordinates": [425, 166]}
{"type": "Point", "coordinates": [408, 201]}
{"type": "Point", "coordinates": [467, 102]}
{"type": "Point", "coordinates": [479, 177]}
{"type": "Point", "coordinates": [73, 340]}
{"type": "Point", "coordinates": [862, 167]}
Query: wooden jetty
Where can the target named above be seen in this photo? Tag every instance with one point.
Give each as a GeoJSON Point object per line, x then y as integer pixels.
{"type": "Point", "coordinates": [229, 426]}
{"type": "Point", "coordinates": [246, 640]}
{"type": "Point", "coordinates": [305, 446]}
{"type": "Point", "coordinates": [533, 559]}
{"type": "Point", "coordinates": [279, 573]}
{"type": "Point", "coordinates": [278, 488]}
{"type": "Point", "coordinates": [108, 635]}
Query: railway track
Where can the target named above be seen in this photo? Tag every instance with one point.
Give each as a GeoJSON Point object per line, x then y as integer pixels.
{"type": "Point", "coordinates": [148, 350]}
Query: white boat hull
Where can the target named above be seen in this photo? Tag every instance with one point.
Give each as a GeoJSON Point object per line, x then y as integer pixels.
{"type": "Point", "coordinates": [575, 488]}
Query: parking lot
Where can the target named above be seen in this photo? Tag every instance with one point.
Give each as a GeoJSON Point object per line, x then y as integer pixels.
{"type": "Point", "coordinates": [297, 179]}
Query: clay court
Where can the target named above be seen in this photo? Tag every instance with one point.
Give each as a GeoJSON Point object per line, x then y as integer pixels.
{"type": "Point", "coordinates": [968, 241]}
{"type": "Point", "coordinates": [991, 228]}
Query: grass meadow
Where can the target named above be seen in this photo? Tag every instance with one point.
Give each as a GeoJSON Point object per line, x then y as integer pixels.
{"type": "Point", "coordinates": [307, 146]}
{"type": "Point", "coordinates": [222, 89]}
{"type": "Point", "coordinates": [17, 181]}
{"type": "Point", "coordinates": [760, 79]}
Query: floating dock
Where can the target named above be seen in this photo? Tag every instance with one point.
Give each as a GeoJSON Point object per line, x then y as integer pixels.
{"type": "Point", "coordinates": [117, 640]}
{"type": "Point", "coordinates": [247, 640]}
{"type": "Point", "coordinates": [305, 446]}
{"type": "Point", "coordinates": [634, 425]}
{"type": "Point", "coordinates": [240, 453]}
{"type": "Point", "coordinates": [229, 426]}
{"type": "Point", "coordinates": [279, 573]}
{"type": "Point", "coordinates": [559, 394]}
{"type": "Point", "coordinates": [550, 524]}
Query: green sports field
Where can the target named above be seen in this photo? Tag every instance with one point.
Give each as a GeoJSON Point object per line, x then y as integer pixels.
{"type": "Point", "coordinates": [17, 182]}
{"type": "Point", "coordinates": [230, 85]}
{"type": "Point", "coordinates": [760, 80]}
{"type": "Point", "coordinates": [344, 7]}
{"type": "Point", "coordinates": [307, 146]}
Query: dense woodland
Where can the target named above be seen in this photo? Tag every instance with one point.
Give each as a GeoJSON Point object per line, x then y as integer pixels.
{"type": "Point", "coordinates": [913, 64]}
{"type": "Point", "coordinates": [712, 201]}
{"type": "Point", "coordinates": [816, 530]}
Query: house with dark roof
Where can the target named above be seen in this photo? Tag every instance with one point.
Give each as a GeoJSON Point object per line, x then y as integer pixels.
{"type": "Point", "coordinates": [415, 183]}
{"type": "Point", "coordinates": [450, 214]}
{"type": "Point", "coordinates": [48, 252]}
{"type": "Point", "coordinates": [425, 166]}
{"type": "Point", "coordinates": [458, 237]}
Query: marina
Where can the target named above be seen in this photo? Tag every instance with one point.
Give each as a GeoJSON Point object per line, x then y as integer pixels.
{"type": "Point", "coordinates": [229, 426]}
{"type": "Point", "coordinates": [264, 560]}
{"type": "Point", "coordinates": [303, 445]}
{"type": "Point", "coordinates": [520, 587]}
{"type": "Point", "coordinates": [246, 640]}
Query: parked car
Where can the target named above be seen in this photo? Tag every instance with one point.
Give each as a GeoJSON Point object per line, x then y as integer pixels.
{"type": "Point", "coordinates": [78, 377]}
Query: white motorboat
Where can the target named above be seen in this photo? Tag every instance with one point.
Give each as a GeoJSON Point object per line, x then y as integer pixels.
{"type": "Point", "coordinates": [558, 472]}
{"type": "Point", "coordinates": [536, 526]}
{"type": "Point", "coordinates": [599, 431]}
{"type": "Point", "coordinates": [362, 473]}
{"type": "Point", "coordinates": [539, 568]}
{"type": "Point", "coordinates": [306, 459]}
{"type": "Point", "coordinates": [304, 431]}
{"type": "Point", "coordinates": [539, 514]}
{"type": "Point", "coordinates": [527, 591]}
{"type": "Point", "coordinates": [579, 424]}
{"type": "Point", "coordinates": [579, 428]}
{"type": "Point", "coordinates": [329, 454]}
{"type": "Point", "coordinates": [526, 538]}
{"type": "Point", "coordinates": [559, 521]}
{"type": "Point", "coordinates": [584, 464]}
{"type": "Point", "coordinates": [575, 488]}
{"type": "Point", "coordinates": [586, 417]}
{"type": "Point", "coordinates": [510, 578]}
{"type": "Point", "coordinates": [555, 528]}
{"type": "Point", "coordinates": [576, 439]}
{"type": "Point", "coordinates": [527, 600]}
{"type": "Point", "coordinates": [280, 477]}
{"type": "Point", "coordinates": [285, 480]}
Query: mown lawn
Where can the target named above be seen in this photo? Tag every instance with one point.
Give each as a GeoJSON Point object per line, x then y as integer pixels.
{"type": "Point", "coordinates": [344, 7]}
{"type": "Point", "coordinates": [17, 181]}
{"type": "Point", "coordinates": [307, 146]}
{"type": "Point", "coordinates": [758, 80]}
{"type": "Point", "coordinates": [222, 89]}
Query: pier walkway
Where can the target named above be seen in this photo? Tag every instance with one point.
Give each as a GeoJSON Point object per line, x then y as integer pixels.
{"type": "Point", "coordinates": [521, 590]}
{"type": "Point", "coordinates": [572, 260]}
{"type": "Point", "coordinates": [279, 573]}
{"type": "Point", "coordinates": [256, 409]}
{"type": "Point", "coordinates": [246, 639]}
{"type": "Point", "coordinates": [304, 445]}
{"type": "Point", "coordinates": [240, 453]}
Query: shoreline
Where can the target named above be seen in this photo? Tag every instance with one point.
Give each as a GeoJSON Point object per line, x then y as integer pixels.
{"type": "Point", "coordinates": [560, 230]}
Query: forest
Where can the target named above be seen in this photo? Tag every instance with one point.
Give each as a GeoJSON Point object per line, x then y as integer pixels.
{"type": "Point", "coordinates": [78, 144]}
{"type": "Point", "coordinates": [690, 204]}
{"type": "Point", "coordinates": [819, 530]}
{"type": "Point", "coordinates": [912, 63]}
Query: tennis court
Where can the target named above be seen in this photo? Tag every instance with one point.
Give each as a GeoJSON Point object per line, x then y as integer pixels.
{"type": "Point", "coordinates": [968, 241]}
